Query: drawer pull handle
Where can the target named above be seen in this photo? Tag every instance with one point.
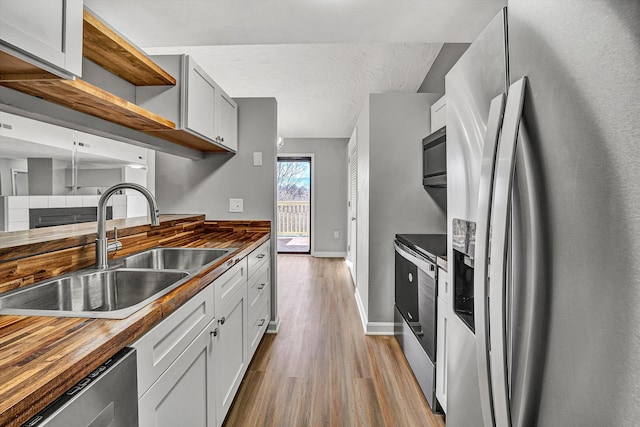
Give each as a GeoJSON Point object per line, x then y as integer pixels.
{"type": "Point", "coordinates": [222, 320]}
{"type": "Point", "coordinates": [262, 285]}
{"type": "Point", "coordinates": [214, 332]}
{"type": "Point", "coordinates": [261, 322]}
{"type": "Point", "coordinates": [260, 256]}
{"type": "Point", "coordinates": [230, 262]}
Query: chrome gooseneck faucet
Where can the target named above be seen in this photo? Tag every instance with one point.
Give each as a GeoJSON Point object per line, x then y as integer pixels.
{"type": "Point", "coordinates": [102, 245]}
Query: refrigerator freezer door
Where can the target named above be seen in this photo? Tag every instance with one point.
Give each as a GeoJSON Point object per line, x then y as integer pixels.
{"type": "Point", "coordinates": [479, 76]}
{"type": "Point", "coordinates": [481, 273]}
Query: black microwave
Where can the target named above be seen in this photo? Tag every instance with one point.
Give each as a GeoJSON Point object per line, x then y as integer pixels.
{"type": "Point", "coordinates": [434, 159]}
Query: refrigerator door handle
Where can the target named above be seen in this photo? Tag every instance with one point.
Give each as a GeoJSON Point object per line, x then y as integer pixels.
{"type": "Point", "coordinates": [480, 279]}
{"type": "Point", "coordinates": [500, 226]}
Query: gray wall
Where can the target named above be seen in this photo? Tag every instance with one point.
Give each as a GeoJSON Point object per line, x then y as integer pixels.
{"type": "Point", "coordinates": [447, 57]}
{"type": "Point", "coordinates": [330, 190]}
{"type": "Point", "coordinates": [398, 203]}
{"type": "Point", "coordinates": [205, 186]}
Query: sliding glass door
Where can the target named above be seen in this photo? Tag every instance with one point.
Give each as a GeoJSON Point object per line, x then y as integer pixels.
{"type": "Point", "coordinates": [294, 205]}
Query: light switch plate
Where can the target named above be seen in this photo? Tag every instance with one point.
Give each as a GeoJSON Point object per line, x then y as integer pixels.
{"type": "Point", "coordinates": [235, 205]}
{"type": "Point", "coordinates": [257, 158]}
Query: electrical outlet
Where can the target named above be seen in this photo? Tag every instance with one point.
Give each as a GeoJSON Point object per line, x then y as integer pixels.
{"type": "Point", "coordinates": [235, 205]}
{"type": "Point", "coordinates": [336, 234]}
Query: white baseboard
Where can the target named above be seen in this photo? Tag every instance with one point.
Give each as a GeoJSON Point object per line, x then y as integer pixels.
{"type": "Point", "coordinates": [274, 326]}
{"type": "Point", "coordinates": [379, 328]}
{"type": "Point", "coordinates": [372, 328]}
{"type": "Point", "coordinates": [361, 310]}
{"type": "Point", "coordinates": [330, 254]}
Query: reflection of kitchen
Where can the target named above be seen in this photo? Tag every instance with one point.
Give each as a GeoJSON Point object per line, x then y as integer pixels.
{"type": "Point", "coordinates": [58, 179]}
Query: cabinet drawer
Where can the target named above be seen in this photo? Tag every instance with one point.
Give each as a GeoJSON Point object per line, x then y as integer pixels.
{"type": "Point", "coordinates": [258, 257]}
{"type": "Point", "coordinates": [259, 285]}
{"type": "Point", "coordinates": [443, 286]}
{"type": "Point", "coordinates": [258, 324]}
{"type": "Point", "coordinates": [228, 283]}
{"type": "Point", "coordinates": [162, 345]}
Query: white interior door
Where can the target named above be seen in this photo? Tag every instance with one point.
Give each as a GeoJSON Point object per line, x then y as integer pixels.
{"type": "Point", "coordinates": [353, 203]}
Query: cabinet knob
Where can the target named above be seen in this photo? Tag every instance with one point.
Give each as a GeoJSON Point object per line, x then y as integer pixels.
{"type": "Point", "coordinates": [222, 320]}
{"type": "Point", "coordinates": [410, 277]}
{"type": "Point", "coordinates": [214, 332]}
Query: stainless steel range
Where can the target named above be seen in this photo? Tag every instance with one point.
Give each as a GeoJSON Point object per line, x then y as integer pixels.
{"type": "Point", "coordinates": [416, 304]}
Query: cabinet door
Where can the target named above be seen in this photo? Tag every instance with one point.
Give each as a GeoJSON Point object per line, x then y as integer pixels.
{"type": "Point", "coordinates": [199, 114]}
{"type": "Point", "coordinates": [159, 348]}
{"type": "Point", "coordinates": [227, 121]}
{"type": "Point", "coordinates": [48, 31]}
{"type": "Point", "coordinates": [231, 351]}
{"type": "Point", "coordinates": [183, 395]}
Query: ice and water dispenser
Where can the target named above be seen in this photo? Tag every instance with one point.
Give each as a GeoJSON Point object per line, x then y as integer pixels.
{"type": "Point", "coordinates": [464, 236]}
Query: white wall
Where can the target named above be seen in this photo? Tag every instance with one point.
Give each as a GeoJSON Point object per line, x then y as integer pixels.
{"type": "Point", "coordinates": [330, 190]}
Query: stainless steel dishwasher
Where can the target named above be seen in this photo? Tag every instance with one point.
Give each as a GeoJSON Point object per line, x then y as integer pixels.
{"type": "Point", "coordinates": [107, 397]}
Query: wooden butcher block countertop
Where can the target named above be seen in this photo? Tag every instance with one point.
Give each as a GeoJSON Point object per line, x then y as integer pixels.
{"type": "Point", "coordinates": [41, 357]}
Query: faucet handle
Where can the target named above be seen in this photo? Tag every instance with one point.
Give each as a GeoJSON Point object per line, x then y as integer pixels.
{"type": "Point", "coordinates": [116, 244]}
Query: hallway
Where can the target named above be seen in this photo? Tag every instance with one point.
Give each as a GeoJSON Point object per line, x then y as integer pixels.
{"type": "Point", "coordinates": [320, 369]}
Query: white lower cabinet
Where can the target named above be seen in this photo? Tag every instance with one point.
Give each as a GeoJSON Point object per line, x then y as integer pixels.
{"type": "Point", "coordinates": [191, 365]}
{"type": "Point", "coordinates": [258, 323]}
{"type": "Point", "coordinates": [184, 393]}
{"type": "Point", "coordinates": [231, 350]}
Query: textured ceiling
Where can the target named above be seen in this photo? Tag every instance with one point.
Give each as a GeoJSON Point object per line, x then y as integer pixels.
{"type": "Point", "coordinates": [320, 88]}
{"type": "Point", "coordinates": [318, 58]}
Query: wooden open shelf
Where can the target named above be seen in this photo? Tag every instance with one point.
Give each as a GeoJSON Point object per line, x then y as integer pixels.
{"type": "Point", "coordinates": [102, 45]}
{"type": "Point", "coordinates": [108, 49]}
{"type": "Point", "coordinates": [87, 98]}
{"type": "Point", "coordinates": [186, 139]}
{"type": "Point", "coordinates": [15, 69]}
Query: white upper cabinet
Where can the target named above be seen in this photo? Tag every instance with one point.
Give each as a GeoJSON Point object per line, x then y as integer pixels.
{"type": "Point", "coordinates": [200, 96]}
{"type": "Point", "coordinates": [16, 130]}
{"type": "Point", "coordinates": [44, 33]}
{"type": "Point", "coordinates": [196, 104]}
{"type": "Point", "coordinates": [101, 147]}
{"type": "Point", "coordinates": [439, 114]}
{"type": "Point", "coordinates": [226, 120]}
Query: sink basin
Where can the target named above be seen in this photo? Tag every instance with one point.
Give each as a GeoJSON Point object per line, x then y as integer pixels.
{"type": "Point", "coordinates": [189, 259]}
{"type": "Point", "coordinates": [112, 294]}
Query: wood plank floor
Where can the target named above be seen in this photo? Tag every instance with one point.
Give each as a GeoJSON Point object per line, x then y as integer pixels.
{"type": "Point", "coordinates": [320, 369]}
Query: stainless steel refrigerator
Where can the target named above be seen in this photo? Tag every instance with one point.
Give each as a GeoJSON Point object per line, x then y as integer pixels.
{"type": "Point", "coordinates": [543, 158]}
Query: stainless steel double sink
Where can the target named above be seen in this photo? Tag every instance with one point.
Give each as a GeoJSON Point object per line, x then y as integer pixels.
{"type": "Point", "coordinates": [128, 285]}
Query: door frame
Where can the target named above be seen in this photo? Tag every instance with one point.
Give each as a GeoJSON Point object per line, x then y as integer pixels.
{"type": "Point", "coordinates": [312, 210]}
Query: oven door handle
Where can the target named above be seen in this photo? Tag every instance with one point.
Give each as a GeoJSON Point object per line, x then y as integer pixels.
{"type": "Point", "coordinates": [426, 266]}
